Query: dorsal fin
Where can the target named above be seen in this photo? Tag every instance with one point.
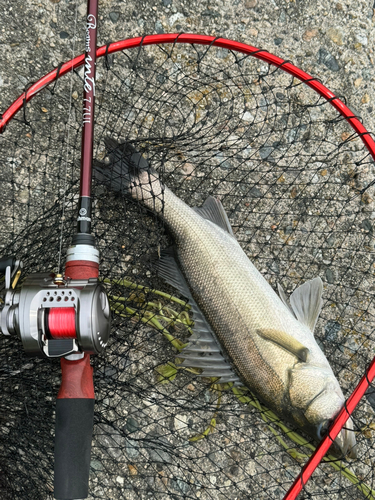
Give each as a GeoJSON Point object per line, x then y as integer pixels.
{"type": "Point", "coordinates": [213, 210]}
{"type": "Point", "coordinates": [306, 302]}
{"type": "Point", "coordinates": [203, 350]}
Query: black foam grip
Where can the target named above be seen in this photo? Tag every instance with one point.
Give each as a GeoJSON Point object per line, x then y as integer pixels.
{"type": "Point", "coordinates": [74, 423]}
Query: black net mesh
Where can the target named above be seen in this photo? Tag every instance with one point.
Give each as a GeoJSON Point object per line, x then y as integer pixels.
{"type": "Point", "coordinates": [292, 177]}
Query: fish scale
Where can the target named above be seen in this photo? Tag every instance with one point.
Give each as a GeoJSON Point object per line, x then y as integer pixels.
{"type": "Point", "coordinates": [243, 331]}
{"type": "Point", "coordinates": [195, 236]}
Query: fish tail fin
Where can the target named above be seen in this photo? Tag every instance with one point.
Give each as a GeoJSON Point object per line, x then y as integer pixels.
{"type": "Point", "coordinates": [129, 173]}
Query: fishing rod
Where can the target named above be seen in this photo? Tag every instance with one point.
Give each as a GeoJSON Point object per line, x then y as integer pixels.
{"type": "Point", "coordinates": [75, 403]}
{"type": "Point", "coordinates": [67, 315]}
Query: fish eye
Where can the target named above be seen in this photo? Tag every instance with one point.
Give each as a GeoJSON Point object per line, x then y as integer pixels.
{"type": "Point", "coordinates": [323, 428]}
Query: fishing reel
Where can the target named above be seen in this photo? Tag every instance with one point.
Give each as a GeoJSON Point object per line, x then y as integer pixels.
{"type": "Point", "coordinates": [52, 316]}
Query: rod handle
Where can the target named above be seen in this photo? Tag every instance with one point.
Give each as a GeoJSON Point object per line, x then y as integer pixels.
{"type": "Point", "coordinates": [73, 429]}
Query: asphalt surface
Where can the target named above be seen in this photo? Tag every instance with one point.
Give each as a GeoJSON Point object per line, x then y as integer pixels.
{"type": "Point", "coordinates": [333, 42]}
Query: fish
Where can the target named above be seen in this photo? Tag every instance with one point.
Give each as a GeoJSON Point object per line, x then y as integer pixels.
{"type": "Point", "coordinates": [244, 332]}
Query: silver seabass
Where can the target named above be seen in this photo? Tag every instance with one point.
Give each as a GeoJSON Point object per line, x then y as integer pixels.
{"type": "Point", "coordinates": [243, 331]}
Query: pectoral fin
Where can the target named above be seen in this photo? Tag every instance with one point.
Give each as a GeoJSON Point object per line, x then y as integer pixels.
{"type": "Point", "coordinates": [306, 302]}
{"type": "Point", "coordinates": [285, 341]}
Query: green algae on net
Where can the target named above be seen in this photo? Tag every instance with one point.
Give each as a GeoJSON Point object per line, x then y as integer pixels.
{"type": "Point", "coordinates": [161, 316]}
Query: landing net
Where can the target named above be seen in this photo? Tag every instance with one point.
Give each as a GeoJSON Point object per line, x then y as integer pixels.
{"type": "Point", "coordinates": [296, 182]}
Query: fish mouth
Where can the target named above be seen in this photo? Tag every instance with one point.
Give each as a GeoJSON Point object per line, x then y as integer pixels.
{"type": "Point", "coordinates": [344, 446]}
{"type": "Point", "coordinates": [322, 412]}
{"type": "Point", "coordinates": [346, 440]}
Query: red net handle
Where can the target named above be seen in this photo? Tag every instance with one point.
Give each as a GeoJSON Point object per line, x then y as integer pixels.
{"type": "Point", "coordinates": [338, 424]}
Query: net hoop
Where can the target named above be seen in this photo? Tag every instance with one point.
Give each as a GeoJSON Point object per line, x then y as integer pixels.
{"type": "Point", "coordinates": [339, 423]}
{"type": "Point", "coordinates": [190, 38]}
{"type": "Point", "coordinates": [286, 66]}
